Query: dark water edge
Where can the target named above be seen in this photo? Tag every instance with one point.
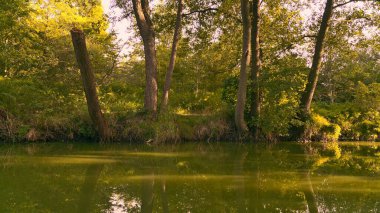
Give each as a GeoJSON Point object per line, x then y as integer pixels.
{"type": "Point", "coordinates": [190, 177]}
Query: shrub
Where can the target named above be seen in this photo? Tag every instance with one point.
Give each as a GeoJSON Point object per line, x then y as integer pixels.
{"type": "Point", "coordinates": [320, 129]}
{"type": "Point", "coordinates": [330, 132]}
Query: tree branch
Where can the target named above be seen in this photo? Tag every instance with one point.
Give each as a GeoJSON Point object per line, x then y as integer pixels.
{"type": "Point", "coordinates": [347, 2]}
{"type": "Point", "coordinates": [308, 36]}
{"type": "Point", "coordinates": [291, 45]}
{"type": "Point", "coordinates": [342, 4]}
{"type": "Point", "coordinates": [213, 9]}
{"type": "Point", "coordinates": [200, 11]}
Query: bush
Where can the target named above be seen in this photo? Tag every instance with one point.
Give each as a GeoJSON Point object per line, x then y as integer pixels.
{"type": "Point", "coordinates": [330, 132]}
{"type": "Point", "coordinates": [320, 129]}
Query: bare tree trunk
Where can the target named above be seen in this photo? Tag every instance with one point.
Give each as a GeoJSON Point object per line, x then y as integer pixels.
{"type": "Point", "coordinates": [255, 69]}
{"type": "Point", "coordinates": [245, 61]}
{"type": "Point", "coordinates": [169, 73]}
{"type": "Point", "coordinates": [145, 25]}
{"type": "Point", "coordinates": [307, 96]}
{"type": "Point", "coordinates": [88, 79]}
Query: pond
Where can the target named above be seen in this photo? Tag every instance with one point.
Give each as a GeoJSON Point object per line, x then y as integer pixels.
{"type": "Point", "coordinates": [192, 177]}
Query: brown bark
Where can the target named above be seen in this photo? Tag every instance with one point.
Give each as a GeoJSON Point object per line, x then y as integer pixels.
{"type": "Point", "coordinates": [308, 93]}
{"type": "Point", "coordinates": [89, 85]}
{"type": "Point", "coordinates": [245, 61]}
{"type": "Point", "coordinates": [141, 10]}
{"type": "Point", "coordinates": [255, 69]}
{"type": "Point", "coordinates": [169, 73]}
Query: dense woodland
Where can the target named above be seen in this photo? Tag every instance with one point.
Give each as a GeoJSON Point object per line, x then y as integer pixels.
{"type": "Point", "coordinates": [207, 70]}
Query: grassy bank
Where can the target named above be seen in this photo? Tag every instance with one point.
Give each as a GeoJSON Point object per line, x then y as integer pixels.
{"type": "Point", "coordinates": [32, 110]}
{"type": "Point", "coordinates": [135, 127]}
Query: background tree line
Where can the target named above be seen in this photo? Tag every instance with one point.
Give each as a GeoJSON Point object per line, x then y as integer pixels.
{"type": "Point", "coordinates": [205, 69]}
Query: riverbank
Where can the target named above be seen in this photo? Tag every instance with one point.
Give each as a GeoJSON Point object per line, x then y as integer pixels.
{"type": "Point", "coordinates": [136, 127]}
{"type": "Point", "coordinates": [140, 128]}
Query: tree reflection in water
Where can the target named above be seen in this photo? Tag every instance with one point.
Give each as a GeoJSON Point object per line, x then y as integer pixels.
{"type": "Point", "coordinates": [86, 201]}
{"type": "Point", "coordinates": [189, 178]}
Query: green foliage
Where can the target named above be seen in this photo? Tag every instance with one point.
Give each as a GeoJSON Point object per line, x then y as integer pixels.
{"type": "Point", "coordinates": [331, 132]}
{"type": "Point", "coordinates": [359, 119]}
{"type": "Point", "coordinates": [173, 128]}
{"type": "Point", "coordinates": [320, 128]}
{"type": "Point", "coordinates": [41, 91]}
{"type": "Point", "coordinates": [281, 83]}
{"type": "Point", "coordinates": [230, 89]}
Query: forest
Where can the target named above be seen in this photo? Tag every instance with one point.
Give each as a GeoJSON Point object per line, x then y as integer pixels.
{"type": "Point", "coordinates": [190, 106]}
{"type": "Point", "coordinates": [213, 70]}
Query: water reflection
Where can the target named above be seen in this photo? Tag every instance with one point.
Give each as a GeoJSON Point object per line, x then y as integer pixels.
{"type": "Point", "coordinates": [309, 194]}
{"type": "Point", "coordinates": [188, 178]}
{"type": "Point", "coordinates": [147, 185]}
{"type": "Point", "coordinates": [164, 197]}
{"type": "Point", "coordinates": [91, 179]}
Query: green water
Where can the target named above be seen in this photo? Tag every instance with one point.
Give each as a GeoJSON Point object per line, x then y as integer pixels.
{"type": "Point", "coordinates": [225, 177]}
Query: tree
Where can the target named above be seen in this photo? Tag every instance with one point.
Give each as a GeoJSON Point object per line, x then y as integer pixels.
{"type": "Point", "coordinates": [169, 73]}
{"type": "Point", "coordinates": [308, 93]}
{"type": "Point", "coordinates": [17, 40]}
{"type": "Point", "coordinates": [245, 61]}
{"type": "Point", "coordinates": [89, 84]}
{"type": "Point", "coordinates": [255, 69]}
{"type": "Point", "coordinates": [142, 14]}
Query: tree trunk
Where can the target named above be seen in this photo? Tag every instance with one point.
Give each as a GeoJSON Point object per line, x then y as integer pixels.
{"type": "Point", "coordinates": [307, 95]}
{"type": "Point", "coordinates": [245, 61]}
{"type": "Point", "coordinates": [145, 25]}
{"type": "Point", "coordinates": [255, 69]}
{"type": "Point", "coordinates": [89, 85]}
{"type": "Point", "coordinates": [169, 73]}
